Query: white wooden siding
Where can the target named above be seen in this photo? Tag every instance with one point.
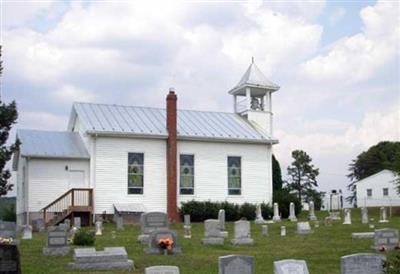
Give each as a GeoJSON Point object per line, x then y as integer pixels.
{"type": "Point", "coordinates": [377, 183]}
{"type": "Point", "coordinates": [111, 183]}
{"type": "Point", "coordinates": [48, 180]}
{"type": "Point", "coordinates": [211, 175]}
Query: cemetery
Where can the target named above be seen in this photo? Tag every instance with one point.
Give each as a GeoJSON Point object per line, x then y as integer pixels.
{"type": "Point", "coordinates": [215, 246]}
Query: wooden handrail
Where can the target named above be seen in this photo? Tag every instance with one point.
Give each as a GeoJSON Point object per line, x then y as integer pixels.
{"type": "Point", "coordinates": [65, 194]}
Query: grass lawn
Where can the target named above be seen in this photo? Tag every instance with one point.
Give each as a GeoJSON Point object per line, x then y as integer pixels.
{"type": "Point", "coordinates": [321, 250]}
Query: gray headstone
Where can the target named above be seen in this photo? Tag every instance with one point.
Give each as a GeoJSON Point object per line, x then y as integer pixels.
{"type": "Point", "coordinates": [387, 238]}
{"type": "Point", "coordinates": [236, 264]}
{"type": "Point", "coordinates": [151, 221]}
{"type": "Point", "coordinates": [303, 228]}
{"type": "Point", "coordinates": [362, 263]}
{"type": "Point", "coordinates": [9, 259]}
{"type": "Point", "coordinates": [155, 236]}
{"type": "Point", "coordinates": [119, 221]}
{"type": "Point", "coordinates": [161, 269]}
{"type": "Point", "coordinates": [108, 259]}
{"type": "Point", "coordinates": [276, 217]}
{"type": "Point", "coordinates": [242, 233]}
{"type": "Point", "coordinates": [8, 230]}
{"type": "Point", "coordinates": [264, 230]}
{"type": "Point", "coordinates": [362, 235]}
{"type": "Point", "coordinates": [259, 218]}
{"type": "Point", "coordinates": [186, 218]}
{"type": "Point", "coordinates": [57, 240]}
{"type": "Point", "coordinates": [221, 218]}
{"type": "Point", "coordinates": [38, 225]}
{"type": "Point", "coordinates": [382, 215]}
{"type": "Point", "coordinates": [364, 215]}
{"type": "Point", "coordinates": [290, 267]}
{"type": "Point", "coordinates": [77, 222]}
{"type": "Point", "coordinates": [212, 233]}
{"type": "Point", "coordinates": [292, 213]}
{"type": "Point", "coordinates": [311, 211]}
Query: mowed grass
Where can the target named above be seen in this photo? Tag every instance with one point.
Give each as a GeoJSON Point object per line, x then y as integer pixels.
{"type": "Point", "coordinates": [321, 250]}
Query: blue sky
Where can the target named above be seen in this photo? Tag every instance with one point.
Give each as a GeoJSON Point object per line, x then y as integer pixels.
{"type": "Point", "coordinates": [337, 63]}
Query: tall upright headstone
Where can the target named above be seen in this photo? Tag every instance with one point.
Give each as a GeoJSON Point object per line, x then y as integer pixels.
{"type": "Point", "coordinates": [292, 213]}
{"type": "Point", "coordinates": [99, 227]}
{"type": "Point", "coordinates": [259, 218]}
{"type": "Point", "coordinates": [221, 219]}
{"type": "Point", "coordinates": [276, 217]}
{"type": "Point", "coordinates": [187, 227]}
{"type": "Point", "coordinates": [236, 264]}
{"type": "Point", "coordinates": [77, 222]}
{"type": "Point", "coordinates": [364, 215]}
{"type": "Point", "coordinates": [383, 217]}
{"type": "Point", "coordinates": [347, 217]}
{"type": "Point", "coordinates": [27, 232]}
{"type": "Point", "coordinates": [311, 211]}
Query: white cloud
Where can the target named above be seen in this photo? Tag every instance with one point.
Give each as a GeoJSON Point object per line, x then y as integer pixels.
{"type": "Point", "coordinates": [42, 120]}
{"type": "Point", "coordinates": [68, 94]}
{"type": "Point", "coordinates": [358, 57]}
{"type": "Point", "coordinates": [336, 16]}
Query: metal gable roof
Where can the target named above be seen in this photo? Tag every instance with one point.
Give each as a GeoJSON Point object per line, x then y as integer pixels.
{"type": "Point", "coordinates": [146, 121]}
{"type": "Point", "coordinates": [54, 144]}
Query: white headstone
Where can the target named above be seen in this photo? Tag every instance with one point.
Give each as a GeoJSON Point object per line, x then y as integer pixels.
{"type": "Point", "coordinates": [347, 217]}
{"type": "Point", "coordinates": [283, 231]}
{"type": "Point", "coordinates": [276, 217]}
{"type": "Point", "coordinates": [364, 215]}
{"type": "Point", "coordinates": [221, 218]}
{"type": "Point", "coordinates": [161, 269]}
{"type": "Point", "coordinates": [264, 230]}
{"type": "Point", "coordinates": [290, 267]}
{"type": "Point", "coordinates": [292, 213]}
{"type": "Point", "coordinates": [242, 233]}
{"type": "Point", "coordinates": [27, 232]}
{"type": "Point", "coordinates": [311, 211]}
{"type": "Point", "coordinates": [382, 217]}
{"type": "Point", "coordinates": [77, 222]}
{"type": "Point", "coordinates": [303, 228]}
{"type": "Point", "coordinates": [99, 227]}
{"type": "Point", "coordinates": [259, 218]}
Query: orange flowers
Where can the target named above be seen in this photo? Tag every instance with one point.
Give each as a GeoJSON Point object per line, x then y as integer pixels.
{"type": "Point", "coordinates": [165, 243]}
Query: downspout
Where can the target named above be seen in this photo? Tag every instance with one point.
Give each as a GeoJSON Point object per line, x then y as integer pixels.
{"type": "Point", "coordinates": [26, 190]}
{"type": "Point", "coordinates": [93, 175]}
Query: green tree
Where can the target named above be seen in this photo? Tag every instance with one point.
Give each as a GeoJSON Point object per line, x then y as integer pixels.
{"type": "Point", "coordinates": [276, 174]}
{"type": "Point", "coordinates": [315, 196]}
{"type": "Point", "coordinates": [384, 155]}
{"type": "Point", "coordinates": [8, 117]}
{"type": "Point", "coordinates": [302, 173]}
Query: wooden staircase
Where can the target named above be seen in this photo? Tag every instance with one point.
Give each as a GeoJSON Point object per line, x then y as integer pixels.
{"type": "Point", "coordinates": [76, 201]}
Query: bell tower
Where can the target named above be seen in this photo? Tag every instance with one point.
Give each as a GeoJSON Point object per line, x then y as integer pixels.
{"type": "Point", "coordinates": [252, 98]}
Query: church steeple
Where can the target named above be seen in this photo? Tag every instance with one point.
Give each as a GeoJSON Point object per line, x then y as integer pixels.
{"type": "Point", "coordinates": [252, 97]}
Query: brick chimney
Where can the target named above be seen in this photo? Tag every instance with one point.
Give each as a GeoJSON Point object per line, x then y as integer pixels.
{"type": "Point", "coordinates": [172, 209]}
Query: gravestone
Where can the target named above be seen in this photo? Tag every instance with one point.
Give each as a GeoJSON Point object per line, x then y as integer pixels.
{"type": "Point", "coordinates": [292, 213]}
{"type": "Point", "coordinates": [212, 233]}
{"type": "Point", "coordinates": [335, 215]}
{"type": "Point", "coordinates": [161, 269]}
{"type": "Point", "coordinates": [26, 232]}
{"type": "Point", "coordinates": [156, 235]}
{"type": "Point", "coordinates": [362, 263]}
{"type": "Point", "coordinates": [9, 259]}
{"type": "Point", "coordinates": [119, 221]}
{"type": "Point", "coordinates": [276, 217]}
{"type": "Point", "coordinates": [362, 235]}
{"type": "Point", "coordinates": [236, 264]}
{"type": "Point", "coordinates": [99, 228]}
{"type": "Point", "coordinates": [311, 211]}
{"type": "Point", "coordinates": [38, 225]}
{"type": "Point", "coordinates": [264, 230]}
{"type": "Point", "coordinates": [259, 218]}
{"type": "Point", "coordinates": [364, 215]}
{"type": "Point", "coordinates": [382, 215]}
{"type": "Point", "coordinates": [283, 231]}
{"type": "Point", "coordinates": [186, 219]}
{"type": "Point", "coordinates": [77, 222]}
{"type": "Point", "coordinates": [221, 218]}
{"type": "Point", "coordinates": [187, 228]}
{"type": "Point", "coordinates": [387, 238]}
{"type": "Point", "coordinates": [150, 222]}
{"type": "Point", "coordinates": [108, 259]}
{"type": "Point", "coordinates": [67, 222]}
{"type": "Point", "coordinates": [56, 242]}
{"type": "Point", "coordinates": [242, 233]}
{"type": "Point", "coordinates": [347, 217]}
{"type": "Point", "coordinates": [8, 230]}
{"type": "Point", "coordinates": [290, 267]}
{"type": "Point", "coordinates": [303, 228]}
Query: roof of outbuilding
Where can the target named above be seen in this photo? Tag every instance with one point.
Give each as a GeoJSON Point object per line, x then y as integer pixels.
{"type": "Point", "coordinates": [255, 78]}
{"type": "Point", "coordinates": [146, 121]}
{"type": "Point", "coordinates": [51, 144]}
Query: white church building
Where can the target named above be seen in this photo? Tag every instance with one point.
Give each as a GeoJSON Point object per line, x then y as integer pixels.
{"type": "Point", "coordinates": [139, 159]}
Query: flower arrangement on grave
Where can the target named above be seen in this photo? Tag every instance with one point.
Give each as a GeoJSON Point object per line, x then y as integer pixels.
{"type": "Point", "coordinates": [6, 241]}
{"type": "Point", "coordinates": [382, 248]}
{"type": "Point", "coordinates": [165, 244]}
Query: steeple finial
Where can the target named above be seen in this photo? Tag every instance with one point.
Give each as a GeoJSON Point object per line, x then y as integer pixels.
{"type": "Point", "coordinates": [252, 59]}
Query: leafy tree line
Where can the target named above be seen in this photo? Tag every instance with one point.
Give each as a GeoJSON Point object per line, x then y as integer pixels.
{"type": "Point", "coordinates": [8, 117]}
{"type": "Point", "coordinates": [384, 155]}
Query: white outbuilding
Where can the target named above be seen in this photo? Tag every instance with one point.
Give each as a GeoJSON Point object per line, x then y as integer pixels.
{"type": "Point", "coordinates": [377, 190]}
{"type": "Point", "coordinates": [117, 157]}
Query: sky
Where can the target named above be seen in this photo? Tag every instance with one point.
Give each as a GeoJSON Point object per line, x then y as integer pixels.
{"type": "Point", "coordinates": [337, 63]}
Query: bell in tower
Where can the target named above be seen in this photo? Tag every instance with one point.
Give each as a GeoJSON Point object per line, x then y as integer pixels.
{"type": "Point", "coordinates": [252, 98]}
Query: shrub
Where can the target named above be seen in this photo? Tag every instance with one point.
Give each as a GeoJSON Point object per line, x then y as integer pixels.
{"type": "Point", "coordinates": [200, 211]}
{"type": "Point", "coordinates": [283, 197]}
{"type": "Point", "coordinates": [267, 211]}
{"type": "Point", "coordinates": [84, 237]}
{"type": "Point", "coordinates": [8, 213]}
{"type": "Point", "coordinates": [392, 265]}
